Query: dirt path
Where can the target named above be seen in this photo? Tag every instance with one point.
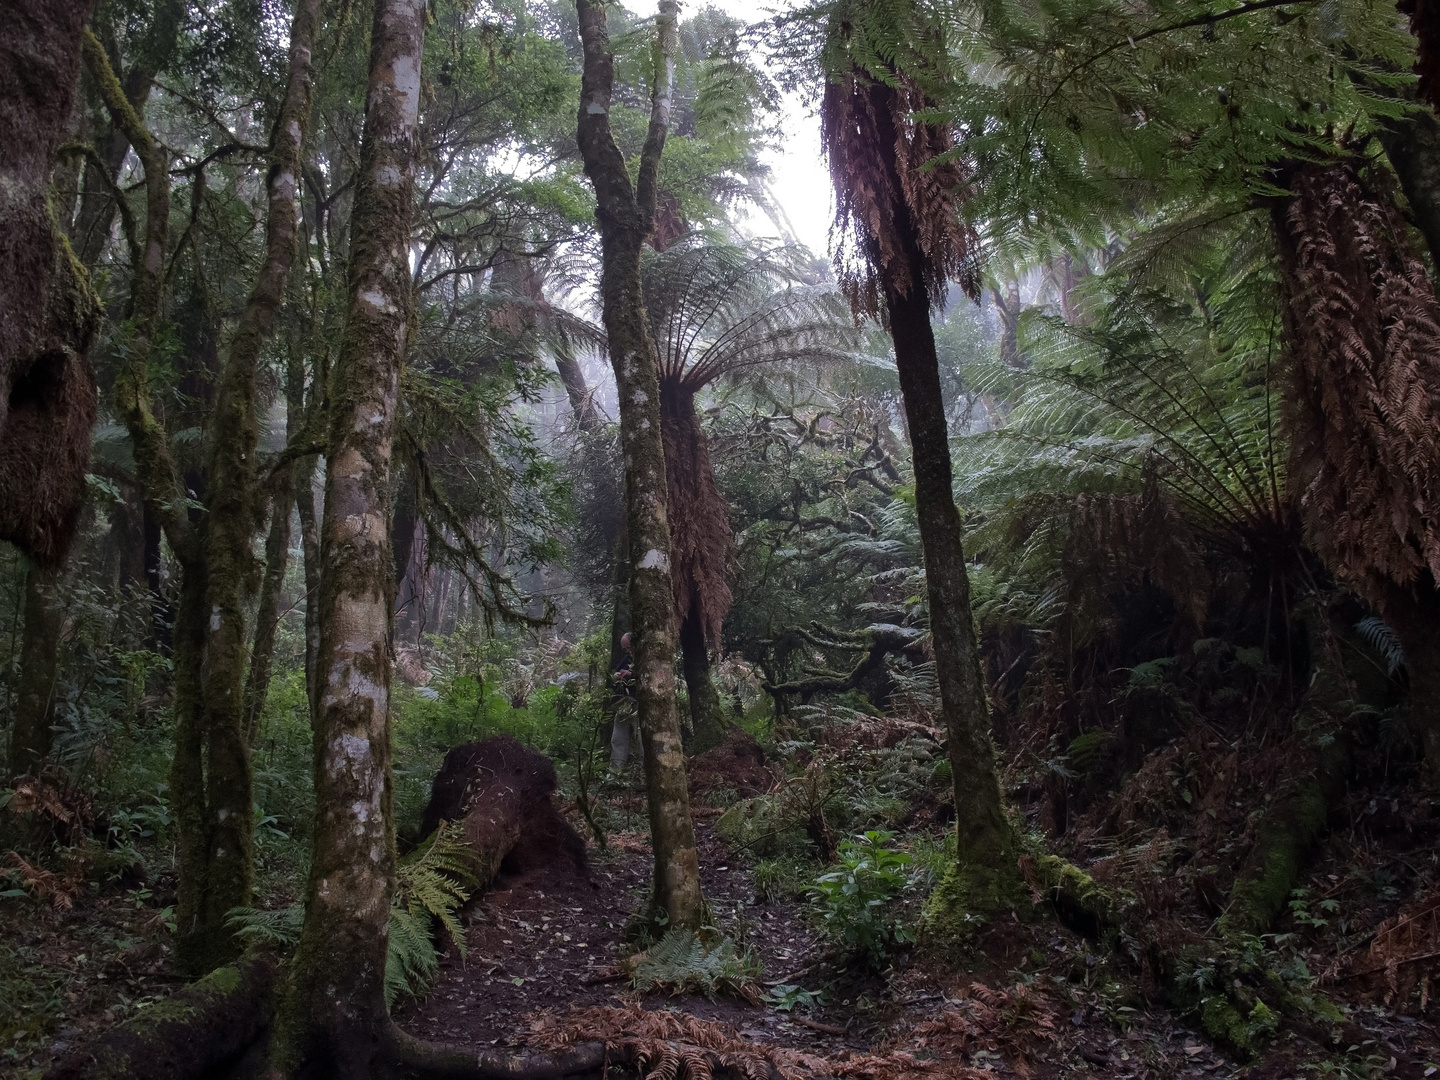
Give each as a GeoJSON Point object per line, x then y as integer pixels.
{"type": "Point", "coordinates": [550, 940]}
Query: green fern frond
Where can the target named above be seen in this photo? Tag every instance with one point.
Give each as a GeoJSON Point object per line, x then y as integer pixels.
{"type": "Point", "coordinates": [683, 963]}
{"type": "Point", "coordinates": [254, 927]}
{"type": "Point", "coordinates": [411, 961]}
{"type": "Point", "coordinates": [1377, 633]}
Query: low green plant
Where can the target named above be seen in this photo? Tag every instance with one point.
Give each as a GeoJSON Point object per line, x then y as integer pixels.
{"type": "Point", "coordinates": [786, 996]}
{"type": "Point", "coordinates": [687, 963]}
{"type": "Point", "coordinates": [855, 899]}
{"type": "Point", "coordinates": [777, 880]}
{"type": "Point", "coordinates": [432, 884]}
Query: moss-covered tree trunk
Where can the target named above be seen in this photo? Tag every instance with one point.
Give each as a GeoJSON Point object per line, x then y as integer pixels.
{"type": "Point", "coordinates": [625, 211]}
{"type": "Point", "coordinates": [334, 1006]}
{"type": "Point", "coordinates": [211, 774]}
{"type": "Point", "coordinates": [30, 737]}
{"type": "Point", "coordinates": [1412, 145]}
{"type": "Point", "coordinates": [48, 312]}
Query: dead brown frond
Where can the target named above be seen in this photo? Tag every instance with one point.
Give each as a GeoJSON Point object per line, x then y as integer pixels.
{"type": "Point", "coordinates": [1404, 956]}
{"type": "Point", "coordinates": [672, 1045]}
{"type": "Point", "coordinates": [68, 810]}
{"type": "Point", "coordinates": [45, 884]}
{"type": "Point", "coordinates": [897, 205]}
{"type": "Point", "coordinates": [701, 544]}
{"type": "Point", "coordinates": [1362, 328]}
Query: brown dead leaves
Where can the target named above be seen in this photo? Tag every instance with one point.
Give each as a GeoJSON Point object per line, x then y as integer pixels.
{"type": "Point", "coordinates": [1404, 956]}
{"type": "Point", "coordinates": [1003, 1023]}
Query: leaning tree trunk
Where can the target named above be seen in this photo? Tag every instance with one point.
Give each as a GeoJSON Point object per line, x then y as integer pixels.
{"type": "Point", "coordinates": [985, 840]}
{"type": "Point", "coordinates": [30, 737]}
{"type": "Point", "coordinates": [985, 836]}
{"type": "Point", "coordinates": [626, 215]}
{"type": "Point", "coordinates": [334, 1009]}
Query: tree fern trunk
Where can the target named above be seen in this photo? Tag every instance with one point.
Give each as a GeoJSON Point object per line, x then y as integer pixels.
{"type": "Point", "coordinates": [707, 719]}
{"type": "Point", "coordinates": [30, 737]}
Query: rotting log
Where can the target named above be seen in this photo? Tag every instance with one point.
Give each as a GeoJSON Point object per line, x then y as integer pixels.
{"type": "Point", "coordinates": [500, 793]}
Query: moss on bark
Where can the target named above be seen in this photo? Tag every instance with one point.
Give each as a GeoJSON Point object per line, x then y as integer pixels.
{"type": "Point", "coordinates": [625, 212]}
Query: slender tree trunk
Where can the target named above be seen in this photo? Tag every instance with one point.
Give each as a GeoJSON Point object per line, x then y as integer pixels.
{"type": "Point", "coordinates": [985, 840]}
{"type": "Point", "coordinates": [707, 718]}
{"type": "Point", "coordinates": [985, 837]}
{"type": "Point", "coordinates": [267, 615]}
{"type": "Point", "coordinates": [30, 738]}
{"type": "Point", "coordinates": [334, 1009]}
{"type": "Point", "coordinates": [626, 215]}
{"type": "Point", "coordinates": [310, 557]}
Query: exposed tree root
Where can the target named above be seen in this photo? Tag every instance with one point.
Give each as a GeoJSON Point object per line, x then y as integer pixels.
{"type": "Point", "coordinates": [217, 1029]}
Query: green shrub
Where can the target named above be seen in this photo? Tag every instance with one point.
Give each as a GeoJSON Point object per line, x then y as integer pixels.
{"type": "Point", "coordinates": [855, 899]}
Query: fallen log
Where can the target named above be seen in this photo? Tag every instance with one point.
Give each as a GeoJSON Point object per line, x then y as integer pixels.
{"type": "Point", "coordinates": [204, 1029]}
{"type": "Point", "coordinates": [500, 793]}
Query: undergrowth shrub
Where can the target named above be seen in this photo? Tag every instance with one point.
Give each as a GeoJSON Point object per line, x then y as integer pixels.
{"type": "Point", "coordinates": [855, 900]}
{"type": "Point", "coordinates": [432, 884]}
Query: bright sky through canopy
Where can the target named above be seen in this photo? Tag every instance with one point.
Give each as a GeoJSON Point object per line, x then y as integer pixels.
{"type": "Point", "coordinates": [800, 182]}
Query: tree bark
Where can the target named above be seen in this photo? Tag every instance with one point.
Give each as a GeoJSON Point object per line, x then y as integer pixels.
{"type": "Point", "coordinates": [707, 718]}
{"type": "Point", "coordinates": [334, 1008]}
{"type": "Point", "coordinates": [310, 556]}
{"type": "Point", "coordinates": [626, 214]}
{"type": "Point", "coordinates": [267, 615]}
{"type": "Point", "coordinates": [985, 840]}
{"type": "Point", "coordinates": [31, 736]}
{"type": "Point", "coordinates": [48, 311]}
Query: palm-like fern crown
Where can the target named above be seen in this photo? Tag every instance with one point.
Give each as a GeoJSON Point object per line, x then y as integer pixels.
{"type": "Point", "coordinates": [899, 183]}
{"type": "Point", "coordinates": [718, 309]}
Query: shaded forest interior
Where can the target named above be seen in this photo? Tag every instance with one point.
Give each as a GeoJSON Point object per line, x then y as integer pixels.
{"type": "Point", "coordinates": [481, 598]}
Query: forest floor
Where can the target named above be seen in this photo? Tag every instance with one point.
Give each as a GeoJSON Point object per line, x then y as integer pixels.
{"type": "Point", "coordinates": [547, 945]}
{"type": "Point", "coordinates": [1033, 1000]}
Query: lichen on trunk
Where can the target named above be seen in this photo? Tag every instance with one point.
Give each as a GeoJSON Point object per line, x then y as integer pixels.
{"type": "Point", "coordinates": [625, 212]}
{"type": "Point", "coordinates": [334, 1006]}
